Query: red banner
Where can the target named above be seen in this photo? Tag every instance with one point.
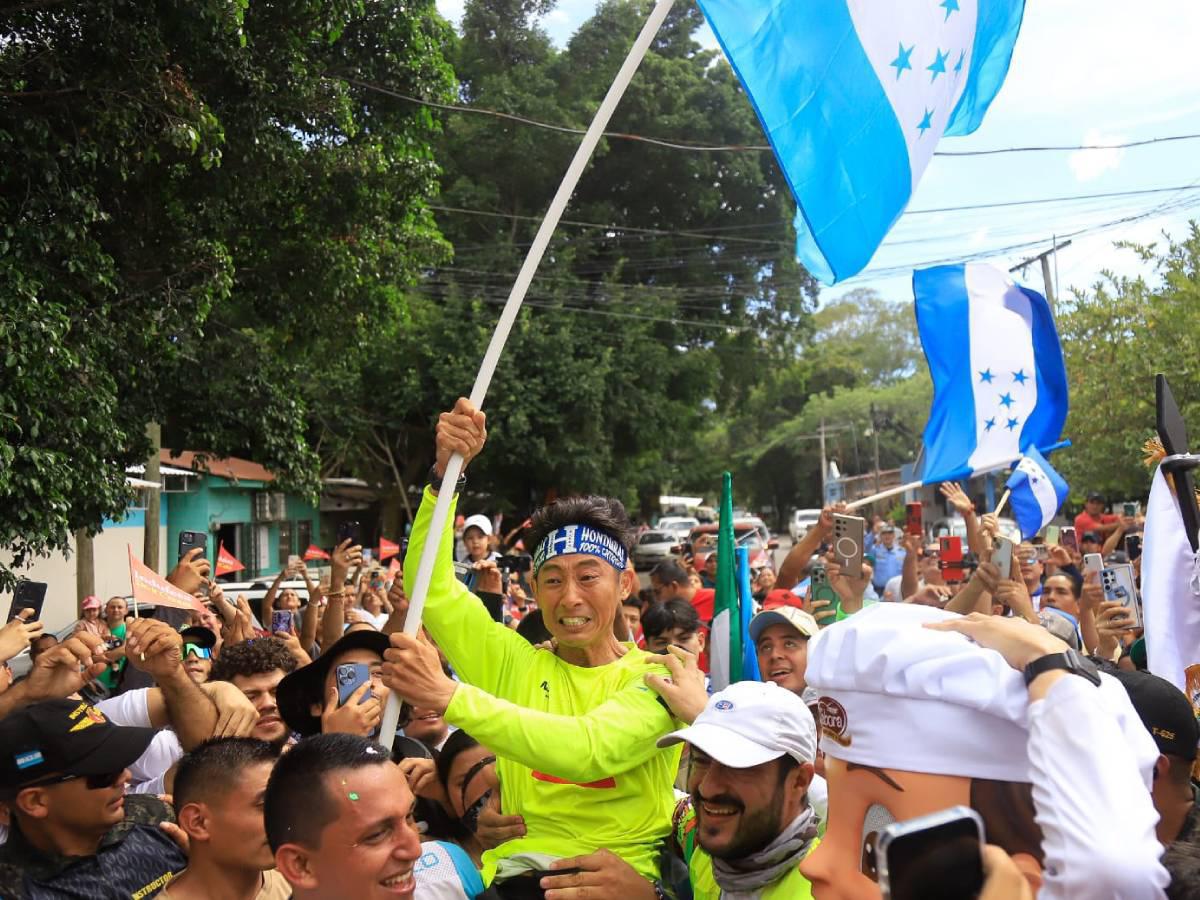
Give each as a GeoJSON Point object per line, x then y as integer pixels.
{"type": "Point", "coordinates": [314, 552]}
{"type": "Point", "coordinates": [226, 562]}
{"type": "Point", "coordinates": [387, 549]}
{"type": "Point", "coordinates": [150, 587]}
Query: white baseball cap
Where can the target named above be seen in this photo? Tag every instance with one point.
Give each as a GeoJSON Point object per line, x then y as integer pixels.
{"type": "Point", "coordinates": [751, 723]}
{"type": "Point", "coordinates": [480, 521]}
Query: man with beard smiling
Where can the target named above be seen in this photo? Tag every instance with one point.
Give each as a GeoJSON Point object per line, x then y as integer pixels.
{"type": "Point", "coordinates": [750, 824]}
{"type": "Point", "coordinates": [574, 727]}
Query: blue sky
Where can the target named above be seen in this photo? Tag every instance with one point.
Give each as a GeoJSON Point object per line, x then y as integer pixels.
{"type": "Point", "coordinates": [1083, 72]}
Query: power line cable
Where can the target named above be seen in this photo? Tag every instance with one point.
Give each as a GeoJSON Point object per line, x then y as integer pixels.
{"type": "Point", "coordinates": [680, 144]}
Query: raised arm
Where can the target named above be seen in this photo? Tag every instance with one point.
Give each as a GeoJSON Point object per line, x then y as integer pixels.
{"type": "Point", "coordinates": [794, 564]}
{"type": "Point", "coordinates": [155, 648]}
{"type": "Point", "coordinates": [345, 556]}
{"type": "Point", "coordinates": [268, 600]}
{"type": "Point", "coordinates": [962, 504]}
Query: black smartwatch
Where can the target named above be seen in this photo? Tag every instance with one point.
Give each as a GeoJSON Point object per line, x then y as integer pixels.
{"type": "Point", "coordinates": [1070, 661]}
{"type": "Point", "coordinates": [435, 480]}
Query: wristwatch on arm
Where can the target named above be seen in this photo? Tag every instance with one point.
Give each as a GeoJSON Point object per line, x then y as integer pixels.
{"type": "Point", "coordinates": [1070, 661]}
{"type": "Point", "coordinates": [435, 480]}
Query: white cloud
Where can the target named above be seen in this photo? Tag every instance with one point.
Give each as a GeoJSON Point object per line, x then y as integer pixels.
{"type": "Point", "coordinates": [1088, 165]}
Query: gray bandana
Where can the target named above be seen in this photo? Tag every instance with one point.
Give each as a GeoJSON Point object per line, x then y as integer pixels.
{"type": "Point", "coordinates": [743, 879]}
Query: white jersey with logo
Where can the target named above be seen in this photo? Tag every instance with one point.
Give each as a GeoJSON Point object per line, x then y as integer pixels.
{"type": "Point", "coordinates": [445, 872]}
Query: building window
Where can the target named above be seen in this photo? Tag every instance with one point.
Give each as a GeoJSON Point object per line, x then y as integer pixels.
{"type": "Point", "coordinates": [303, 535]}
{"type": "Point", "coordinates": [285, 543]}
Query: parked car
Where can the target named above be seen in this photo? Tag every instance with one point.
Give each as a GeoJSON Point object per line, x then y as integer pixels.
{"type": "Point", "coordinates": [749, 533]}
{"type": "Point", "coordinates": [677, 525]}
{"type": "Point", "coordinates": [653, 547]}
{"type": "Point", "coordinates": [801, 520]}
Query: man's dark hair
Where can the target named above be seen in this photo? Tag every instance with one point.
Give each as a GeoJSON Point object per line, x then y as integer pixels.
{"type": "Point", "coordinates": [254, 657]}
{"type": "Point", "coordinates": [671, 614]}
{"type": "Point", "coordinates": [669, 572]}
{"type": "Point", "coordinates": [602, 513]}
{"type": "Point", "coordinates": [298, 802]}
{"type": "Point", "coordinates": [213, 767]}
{"type": "Point", "coordinates": [1074, 579]}
{"type": "Point", "coordinates": [633, 600]}
{"type": "Point", "coordinates": [533, 628]}
{"type": "Point", "coordinates": [459, 742]}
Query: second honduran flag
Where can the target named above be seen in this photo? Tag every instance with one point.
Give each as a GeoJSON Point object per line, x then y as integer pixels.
{"type": "Point", "coordinates": [854, 96]}
{"type": "Point", "coordinates": [1038, 493]}
{"type": "Point", "coordinates": [999, 383]}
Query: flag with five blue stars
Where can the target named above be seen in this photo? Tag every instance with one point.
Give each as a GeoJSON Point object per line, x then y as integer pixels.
{"type": "Point", "coordinates": [854, 96]}
{"type": "Point", "coordinates": [1037, 495]}
{"type": "Point", "coordinates": [999, 382]}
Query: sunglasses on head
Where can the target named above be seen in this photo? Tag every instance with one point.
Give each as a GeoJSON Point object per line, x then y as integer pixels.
{"type": "Point", "coordinates": [94, 782]}
{"type": "Point", "coordinates": [202, 652]}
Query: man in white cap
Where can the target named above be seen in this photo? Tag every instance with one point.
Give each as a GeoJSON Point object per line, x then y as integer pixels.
{"type": "Point", "coordinates": [1002, 717]}
{"type": "Point", "coordinates": [750, 823]}
{"type": "Point", "coordinates": [780, 637]}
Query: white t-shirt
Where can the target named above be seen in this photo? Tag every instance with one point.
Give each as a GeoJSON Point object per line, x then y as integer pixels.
{"type": "Point", "coordinates": [378, 619]}
{"type": "Point", "coordinates": [131, 709]}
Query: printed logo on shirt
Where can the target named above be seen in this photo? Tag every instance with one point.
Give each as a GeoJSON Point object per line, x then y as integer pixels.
{"type": "Point", "coordinates": [833, 721]}
{"type": "Point", "coordinates": [603, 783]}
{"type": "Point", "coordinates": [723, 705]}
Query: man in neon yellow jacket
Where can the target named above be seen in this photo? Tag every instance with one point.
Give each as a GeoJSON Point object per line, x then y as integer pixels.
{"type": "Point", "coordinates": [574, 730]}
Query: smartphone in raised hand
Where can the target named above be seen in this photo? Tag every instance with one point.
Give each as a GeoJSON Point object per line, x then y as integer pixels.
{"type": "Point", "coordinates": [1068, 538]}
{"type": "Point", "coordinates": [943, 848]}
{"type": "Point", "coordinates": [1002, 556]}
{"type": "Point", "coordinates": [28, 595]}
{"type": "Point", "coordinates": [951, 561]}
{"type": "Point", "coordinates": [189, 540]}
{"type": "Point", "coordinates": [848, 535]}
{"type": "Point", "coordinates": [1120, 586]}
{"type": "Point", "coordinates": [823, 590]}
{"type": "Point", "coordinates": [914, 522]}
{"type": "Point", "coordinates": [350, 677]}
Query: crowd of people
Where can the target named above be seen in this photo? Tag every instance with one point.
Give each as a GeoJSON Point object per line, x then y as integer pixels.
{"type": "Point", "coordinates": [560, 734]}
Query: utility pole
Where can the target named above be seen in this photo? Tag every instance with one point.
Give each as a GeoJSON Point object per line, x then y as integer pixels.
{"type": "Point", "coordinates": [875, 435]}
{"type": "Point", "coordinates": [154, 501]}
{"type": "Point", "coordinates": [1044, 259]}
{"type": "Point", "coordinates": [824, 464]}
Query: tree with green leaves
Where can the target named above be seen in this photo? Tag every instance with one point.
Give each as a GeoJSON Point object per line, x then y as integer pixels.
{"type": "Point", "coordinates": [1116, 337]}
{"type": "Point", "coordinates": [188, 190]}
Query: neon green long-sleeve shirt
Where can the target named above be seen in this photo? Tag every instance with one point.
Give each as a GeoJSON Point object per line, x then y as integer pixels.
{"type": "Point", "coordinates": [575, 746]}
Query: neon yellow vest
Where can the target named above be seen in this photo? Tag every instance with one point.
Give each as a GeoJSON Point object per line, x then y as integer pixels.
{"type": "Point", "coordinates": [792, 886]}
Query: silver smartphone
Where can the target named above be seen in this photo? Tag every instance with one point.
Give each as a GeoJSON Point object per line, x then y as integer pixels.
{"type": "Point", "coordinates": [1092, 563]}
{"type": "Point", "coordinates": [848, 534]}
{"type": "Point", "coordinates": [1120, 586]}
{"type": "Point", "coordinates": [1002, 555]}
{"type": "Point", "coordinates": [943, 848]}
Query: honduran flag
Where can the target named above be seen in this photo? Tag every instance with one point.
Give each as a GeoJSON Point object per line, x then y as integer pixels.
{"type": "Point", "coordinates": [854, 96]}
{"type": "Point", "coordinates": [999, 382]}
{"type": "Point", "coordinates": [1037, 495]}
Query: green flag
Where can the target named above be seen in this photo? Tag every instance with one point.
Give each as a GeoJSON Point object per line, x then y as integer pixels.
{"type": "Point", "coordinates": [725, 639]}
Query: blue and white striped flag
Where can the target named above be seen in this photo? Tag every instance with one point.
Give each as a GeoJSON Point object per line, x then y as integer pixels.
{"type": "Point", "coordinates": [999, 383]}
{"type": "Point", "coordinates": [854, 96]}
{"type": "Point", "coordinates": [1038, 493]}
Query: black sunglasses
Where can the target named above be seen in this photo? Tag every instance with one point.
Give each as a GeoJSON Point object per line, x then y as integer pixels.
{"type": "Point", "coordinates": [94, 782]}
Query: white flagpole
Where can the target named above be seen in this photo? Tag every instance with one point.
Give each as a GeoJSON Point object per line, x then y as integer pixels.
{"type": "Point", "coordinates": [416, 604]}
